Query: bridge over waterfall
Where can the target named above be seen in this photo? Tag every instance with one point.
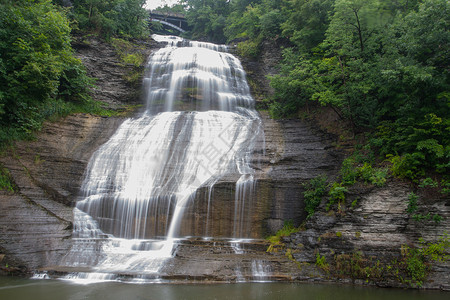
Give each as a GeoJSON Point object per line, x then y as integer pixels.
{"type": "Point", "coordinates": [174, 21]}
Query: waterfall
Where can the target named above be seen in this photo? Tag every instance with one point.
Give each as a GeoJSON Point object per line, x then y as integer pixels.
{"type": "Point", "coordinates": [199, 125]}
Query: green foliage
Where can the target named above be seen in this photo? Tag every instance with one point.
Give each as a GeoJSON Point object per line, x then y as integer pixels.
{"type": "Point", "coordinates": [428, 182]}
{"type": "Point", "coordinates": [207, 19]}
{"type": "Point", "coordinates": [111, 17]}
{"type": "Point", "coordinates": [5, 180]}
{"type": "Point", "coordinates": [275, 240]}
{"type": "Point", "coordinates": [37, 66]}
{"type": "Point", "coordinates": [379, 65]}
{"type": "Point", "coordinates": [321, 262]}
{"type": "Point", "coordinates": [349, 173]}
{"type": "Point", "coordinates": [412, 203]}
{"type": "Point", "coordinates": [423, 145]}
{"type": "Point", "coordinates": [270, 23]}
{"type": "Point", "coordinates": [407, 166]}
{"type": "Point", "coordinates": [336, 194]}
{"type": "Point", "coordinates": [293, 86]}
{"type": "Point", "coordinates": [128, 53]}
{"type": "Point", "coordinates": [315, 189]}
{"type": "Point", "coordinates": [437, 218]}
{"type": "Point", "coordinates": [379, 176]}
{"type": "Point", "coordinates": [436, 251]}
{"type": "Point", "coordinates": [307, 22]}
{"type": "Point", "coordinates": [365, 172]}
{"type": "Point", "coordinates": [416, 267]}
{"type": "Point", "coordinates": [352, 170]}
{"type": "Point", "coordinates": [412, 268]}
{"type": "Point", "coordinates": [356, 266]}
{"type": "Point", "coordinates": [257, 20]}
{"type": "Point", "coordinates": [249, 48]}
{"type": "Point", "coordinates": [445, 186]}
{"type": "Point", "coordinates": [419, 217]}
{"type": "Point", "coordinates": [413, 207]}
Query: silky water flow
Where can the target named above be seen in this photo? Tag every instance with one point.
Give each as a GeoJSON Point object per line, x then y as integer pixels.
{"type": "Point", "coordinates": [199, 125]}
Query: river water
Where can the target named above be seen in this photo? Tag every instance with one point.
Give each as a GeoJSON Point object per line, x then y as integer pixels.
{"type": "Point", "coordinates": [19, 289]}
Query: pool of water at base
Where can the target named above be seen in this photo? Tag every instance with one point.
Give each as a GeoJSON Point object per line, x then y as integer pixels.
{"type": "Point", "coordinates": [18, 289]}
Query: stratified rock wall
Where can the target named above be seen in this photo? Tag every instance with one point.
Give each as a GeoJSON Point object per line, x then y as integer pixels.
{"type": "Point", "coordinates": [373, 233]}
{"type": "Point", "coordinates": [291, 153]}
{"type": "Point", "coordinates": [36, 220]}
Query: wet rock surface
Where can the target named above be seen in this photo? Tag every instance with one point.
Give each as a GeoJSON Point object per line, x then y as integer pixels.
{"type": "Point", "coordinates": [36, 220]}
{"type": "Point", "coordinates": [294, 152]}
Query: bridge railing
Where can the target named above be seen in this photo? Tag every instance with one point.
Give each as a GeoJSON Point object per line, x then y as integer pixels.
{"type": "Point", "coordinates": [171, 20]}
{"type": "Point", "coordinates": [169, 24]}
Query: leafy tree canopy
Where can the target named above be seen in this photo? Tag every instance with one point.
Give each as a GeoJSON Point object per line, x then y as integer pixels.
{"type": "Point", "coordinates": [37, 66]}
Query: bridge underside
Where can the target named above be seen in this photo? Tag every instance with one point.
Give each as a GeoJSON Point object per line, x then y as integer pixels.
{"type": "Point", "coordinates": [168, 24]}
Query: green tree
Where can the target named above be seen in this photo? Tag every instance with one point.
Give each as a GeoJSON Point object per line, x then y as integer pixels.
{"type": "Point", "coordinates": [37, 64]}
{"type": "Point", "coordinates": [307, 22]}
{"type": "Point", "coordinates": [131, 17]}
{"type": "Point", "coordinates": [413, 89]}
{"type": "Point", "coordinates": [111, 17]}
{"type": "Point", "coordinates": [207, 18]}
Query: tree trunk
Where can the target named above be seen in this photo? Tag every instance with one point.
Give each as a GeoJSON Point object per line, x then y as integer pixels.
{"type": "Point", "coordinates": [358, 28]}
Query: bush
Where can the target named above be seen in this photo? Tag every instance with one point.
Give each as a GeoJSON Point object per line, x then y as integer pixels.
{"type": "Point", "coordinates": [275, 240]}
{"type": "Point", "coordinates": [408, 166]}
{"type": "Point", "coordinates": [5, 180]}
{"type": "Point", "coordinates": [376, 176]}
{"type": "Point", "coordinates": [249, 48]}
{"type": "Point", "coordinates": [417, 259]}
{"type": "Point", "coordinates": [321, 262]}
{"type": "Point", "coordinates": [349, 172]}
{"type": "Point", "coordinates": [336, 194]}
{"type": "Point", "coordinates": [412, 203]}
{"type": "Point", "coordinates": [315, 189]}
{"type": "Point", "coordinates": [270, 23]}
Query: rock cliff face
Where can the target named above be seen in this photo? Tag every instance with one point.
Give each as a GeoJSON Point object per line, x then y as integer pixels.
{"type": "Point", "coordinates": [295, 152]}
{"type": "Point", "coordinates": [366, 239]}
{"type": "Point", "coordinates": [367, 242]}
{"type": "Point", "coordinates": [36, 221]}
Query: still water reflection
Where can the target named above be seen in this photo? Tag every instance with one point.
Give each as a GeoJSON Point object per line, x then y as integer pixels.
{"type": "Point", "coordinates": [19, 289]}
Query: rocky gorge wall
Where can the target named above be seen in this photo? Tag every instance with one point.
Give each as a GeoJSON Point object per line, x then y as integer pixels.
{"type": "Point", "coordinates": [36, 220]}
{"type": "Point", "coordinates": [367, 239]}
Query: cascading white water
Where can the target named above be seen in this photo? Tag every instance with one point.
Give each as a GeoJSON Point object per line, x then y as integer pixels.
{"type": "Point", "coordinates": [199, 125]}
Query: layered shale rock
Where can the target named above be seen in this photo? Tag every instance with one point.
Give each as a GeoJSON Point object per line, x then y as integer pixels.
{"type": "Point", "coordinates": [373, 233]}
{"type": "Point", "coordinates": [36, 220]}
